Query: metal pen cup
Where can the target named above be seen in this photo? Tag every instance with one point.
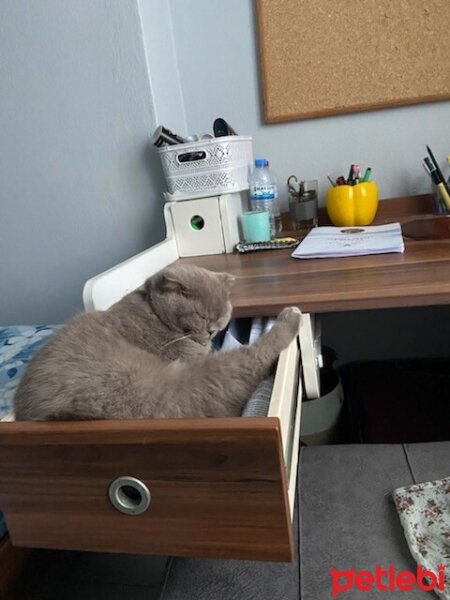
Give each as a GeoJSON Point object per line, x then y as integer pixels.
{"type": "Point", "coordinates": [303, 202]}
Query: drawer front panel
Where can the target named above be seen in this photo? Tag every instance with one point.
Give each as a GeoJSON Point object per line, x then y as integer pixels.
{"type": "Point", "coordinates": [218, 490]}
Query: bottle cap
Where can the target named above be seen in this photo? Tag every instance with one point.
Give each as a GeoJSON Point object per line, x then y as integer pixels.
{"type": "Point", "coordinates": [260, 162]}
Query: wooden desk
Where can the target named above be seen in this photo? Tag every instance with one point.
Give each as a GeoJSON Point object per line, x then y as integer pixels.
{"type": "Point", "coordinates": [267, 281]}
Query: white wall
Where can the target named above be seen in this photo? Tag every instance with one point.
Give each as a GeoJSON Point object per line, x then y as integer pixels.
{"type": "Point", "coordinates": [80, 189]}
{"type": "Point", "coordinates": [216, 45]}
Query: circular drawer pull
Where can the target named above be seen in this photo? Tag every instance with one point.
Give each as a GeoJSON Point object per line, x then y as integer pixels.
{"type": "Point", "coordinates": [129, 495]}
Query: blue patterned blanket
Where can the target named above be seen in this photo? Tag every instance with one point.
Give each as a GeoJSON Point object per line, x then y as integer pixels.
{"type": "Point", "coordinates": [18, 345]}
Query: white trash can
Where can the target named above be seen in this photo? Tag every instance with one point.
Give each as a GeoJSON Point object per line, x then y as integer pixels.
{"type": "Point", "coordinates": [321, 418]}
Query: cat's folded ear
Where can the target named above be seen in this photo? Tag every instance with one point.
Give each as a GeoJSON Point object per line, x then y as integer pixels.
{"type": "Point", "coordinates": [167, 281]}
{"type": "Point", "coordinates": [226, 279]}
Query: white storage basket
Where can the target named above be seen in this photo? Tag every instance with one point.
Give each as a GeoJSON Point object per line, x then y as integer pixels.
{"type": "Point", "coordinates": [208, 167]}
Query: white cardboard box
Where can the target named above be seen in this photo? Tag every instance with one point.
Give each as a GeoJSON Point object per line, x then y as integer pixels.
{"type": "Point", "coordinates": [207, 225]}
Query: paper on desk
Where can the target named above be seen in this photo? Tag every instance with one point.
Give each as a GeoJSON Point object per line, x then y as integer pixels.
{"type": "Point", "coordinates": [325, 242]}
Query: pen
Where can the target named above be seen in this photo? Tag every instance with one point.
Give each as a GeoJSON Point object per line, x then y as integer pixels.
{"type": "Point", "coordinates": [367, 174]}
{"type": "Point", "coordinates": [330, 180]}
{"type": "Point", "coordinates": [436, 166]}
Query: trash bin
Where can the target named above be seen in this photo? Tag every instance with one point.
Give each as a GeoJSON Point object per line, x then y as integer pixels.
{"type": "Point", "coordinates": [322, 418]}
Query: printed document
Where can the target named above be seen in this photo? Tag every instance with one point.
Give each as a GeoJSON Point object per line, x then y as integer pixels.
{"type": "Point", "coordinates": [326, 242]}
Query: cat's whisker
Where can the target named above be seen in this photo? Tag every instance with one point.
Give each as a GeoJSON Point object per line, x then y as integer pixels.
{"type": "Point", "coordinates": [183, 337]}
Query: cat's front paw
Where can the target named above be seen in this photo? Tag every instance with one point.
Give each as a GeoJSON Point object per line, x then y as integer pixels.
{"type": "Point", "coordinates": [291, 316]}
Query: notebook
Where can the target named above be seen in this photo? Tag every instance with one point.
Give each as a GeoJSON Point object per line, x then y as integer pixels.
{"type": "Point", "coordinates": [326, 242]}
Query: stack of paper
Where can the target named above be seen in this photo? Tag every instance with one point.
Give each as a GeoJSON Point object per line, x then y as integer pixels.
{"type": "Point", "coordinates": [325, 242]}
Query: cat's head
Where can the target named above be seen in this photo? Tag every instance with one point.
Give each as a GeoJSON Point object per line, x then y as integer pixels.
{"type": "Point", "coordinates": [191, 300]}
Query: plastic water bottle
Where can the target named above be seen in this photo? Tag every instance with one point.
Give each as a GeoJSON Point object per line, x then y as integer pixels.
{"type": "Point", "coordinates": [264, 194]}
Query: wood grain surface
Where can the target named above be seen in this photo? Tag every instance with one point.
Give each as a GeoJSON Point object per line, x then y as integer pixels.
{"type": "Point", "coordinates": [267, 281]}
{"type": "Point", "coordinates": [218, 487]}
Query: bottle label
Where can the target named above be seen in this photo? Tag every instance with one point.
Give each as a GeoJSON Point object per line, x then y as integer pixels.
{"type": "Point", "coordinates": [262, 192]}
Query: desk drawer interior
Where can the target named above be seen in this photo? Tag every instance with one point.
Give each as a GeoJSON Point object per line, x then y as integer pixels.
{"type": "Point", "coordinates": [218, 487]}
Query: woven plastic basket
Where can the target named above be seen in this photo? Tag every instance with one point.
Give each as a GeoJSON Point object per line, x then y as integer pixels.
{"type": "Point", "coordinates": [212, 166]}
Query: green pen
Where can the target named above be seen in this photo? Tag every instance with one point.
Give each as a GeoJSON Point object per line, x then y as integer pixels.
{"type": "Point", "coordinates": [367, 174]}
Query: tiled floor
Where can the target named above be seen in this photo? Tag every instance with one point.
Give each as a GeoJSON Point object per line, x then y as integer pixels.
{"type": "Point", "coordinates": [62, 575]}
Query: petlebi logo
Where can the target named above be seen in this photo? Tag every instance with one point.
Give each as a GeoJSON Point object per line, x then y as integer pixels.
{"type": "Point", "coordinates": [386, 580]}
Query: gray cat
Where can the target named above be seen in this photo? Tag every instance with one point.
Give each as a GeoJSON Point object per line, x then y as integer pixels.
{"type": "Point", "coordinates": [148, 356]}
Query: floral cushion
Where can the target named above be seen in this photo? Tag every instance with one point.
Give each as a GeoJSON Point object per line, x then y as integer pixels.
{"type": "Point", "coordinates": [18, 345]}
{"type": "Point", "coordinates": [424, 511]}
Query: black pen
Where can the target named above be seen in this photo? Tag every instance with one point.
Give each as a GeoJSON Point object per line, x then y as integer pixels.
{"type": "Point", "coordinates": [438, 171]}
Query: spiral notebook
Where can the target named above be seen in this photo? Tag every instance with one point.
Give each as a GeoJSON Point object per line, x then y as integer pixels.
{"type": "Point", "coordinates": [328, 242]}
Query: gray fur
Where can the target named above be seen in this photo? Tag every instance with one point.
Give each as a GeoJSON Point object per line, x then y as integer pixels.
{"type": "Point", "coordinates": [148, 356]}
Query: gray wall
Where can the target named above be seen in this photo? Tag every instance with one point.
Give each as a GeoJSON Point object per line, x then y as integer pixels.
{"type": "Point", "coordinates": [84, 84]}
{"type": "Point", "coordinates": [80, 189]}
{"type": "Point", "coordinates": [216, 45]}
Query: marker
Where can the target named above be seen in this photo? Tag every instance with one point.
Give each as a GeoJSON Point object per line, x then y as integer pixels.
{"type": "Point", "coordinates": [350, 175]}
{"type": "Point", "coordinates": [367, 175]}
{"type": "Point", "coordinates": [426, 169]}
{"type": "Point", "coordinates": [429, 164]}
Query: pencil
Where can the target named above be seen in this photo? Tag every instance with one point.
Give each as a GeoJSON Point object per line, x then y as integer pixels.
{"type": "Point", "coordinates": [444, 194]}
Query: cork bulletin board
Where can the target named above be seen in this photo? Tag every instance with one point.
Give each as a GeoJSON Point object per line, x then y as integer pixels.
{"type": "Point", "coordinates": [325, 57]}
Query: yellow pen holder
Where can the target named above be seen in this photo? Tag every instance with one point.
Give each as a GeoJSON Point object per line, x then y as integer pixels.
{"type": "Point", "coordinates": [349, 205]}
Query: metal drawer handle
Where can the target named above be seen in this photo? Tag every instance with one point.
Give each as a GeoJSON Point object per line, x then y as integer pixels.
{"type": "Point", "coordinates": [129, 495]}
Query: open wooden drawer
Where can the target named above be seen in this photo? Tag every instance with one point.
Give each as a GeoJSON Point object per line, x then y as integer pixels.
{"type": "Point", "coordinates": [218, 487]}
